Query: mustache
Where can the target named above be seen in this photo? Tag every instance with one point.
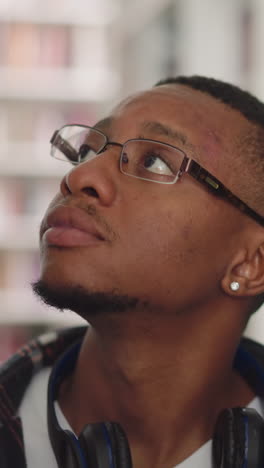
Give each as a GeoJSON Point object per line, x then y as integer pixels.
{"type": "Point", "coordinates": [89, 209]}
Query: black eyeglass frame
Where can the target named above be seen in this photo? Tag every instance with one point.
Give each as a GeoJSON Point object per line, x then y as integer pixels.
{"type": "Point", "coordinates": [189, 166]}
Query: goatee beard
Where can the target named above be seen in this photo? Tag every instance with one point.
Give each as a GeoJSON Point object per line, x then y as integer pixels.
{"type": "Point", "coordinates": [85, 303]}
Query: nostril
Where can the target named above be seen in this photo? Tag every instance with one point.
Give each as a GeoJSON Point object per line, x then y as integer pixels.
{"type": "Point", "coordinates": [90, 191]}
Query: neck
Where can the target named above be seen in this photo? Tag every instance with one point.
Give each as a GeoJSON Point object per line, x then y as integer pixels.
{"type": "Point", "coordinates": [170, 378]}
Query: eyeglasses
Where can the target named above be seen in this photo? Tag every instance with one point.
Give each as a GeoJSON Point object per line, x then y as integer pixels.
{"type": "Point", "coordinates": [145, 159]}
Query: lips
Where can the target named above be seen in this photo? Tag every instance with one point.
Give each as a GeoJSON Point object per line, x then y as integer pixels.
{"type": "Point", "coordinates": [68, 226]}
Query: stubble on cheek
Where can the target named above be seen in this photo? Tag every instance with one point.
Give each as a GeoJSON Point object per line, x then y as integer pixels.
{"type": "Point", "coordinates": [168, 244]}
{"type": "Point", "coordinates": [165, 260]}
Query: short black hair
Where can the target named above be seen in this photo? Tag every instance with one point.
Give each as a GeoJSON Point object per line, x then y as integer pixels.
{"type": "Point", "coordinates": [250, 147]}
{"type": "Point", "coordinates": [236, 98]}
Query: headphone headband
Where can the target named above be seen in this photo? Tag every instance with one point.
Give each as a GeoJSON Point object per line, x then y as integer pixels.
{"type": "Point", "coordinates": [100, 445]}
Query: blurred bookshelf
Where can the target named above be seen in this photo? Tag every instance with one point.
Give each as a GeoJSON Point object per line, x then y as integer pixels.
{"type": "Point", "coordinates": [66, 62]}
{"type": "Point", "coordinates": [55, 68]}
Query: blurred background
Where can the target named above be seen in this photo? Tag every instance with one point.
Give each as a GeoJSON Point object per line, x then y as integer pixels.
{"type": "Point", "coordinates": [65, 61]}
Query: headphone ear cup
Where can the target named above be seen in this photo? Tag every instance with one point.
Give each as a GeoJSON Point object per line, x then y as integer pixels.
{"type": "Point", "coordinates": [120, 445]}
{"type": "Point", "coordinates": [229, 440]}
{"type": "Point", "coordinates": [105, 445]}
{"type": "Point", "coordinates": [255, 438]}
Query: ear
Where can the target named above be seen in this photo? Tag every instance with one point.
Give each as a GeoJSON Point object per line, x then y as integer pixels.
{"type": "Point", "coordinates": [247, 269]}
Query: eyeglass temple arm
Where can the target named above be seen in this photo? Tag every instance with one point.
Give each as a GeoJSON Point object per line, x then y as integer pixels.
{"type": "Point", "coordinates": [217, 188]}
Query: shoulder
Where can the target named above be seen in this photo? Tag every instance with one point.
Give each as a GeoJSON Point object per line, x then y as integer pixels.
{"type": "Point", "coordinates": [15, 377]}
{"type": "Point", "coordinates": [43, 351]}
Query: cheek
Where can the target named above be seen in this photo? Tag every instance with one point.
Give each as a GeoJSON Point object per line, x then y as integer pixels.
{"type": "Point", "coordinates": [163, 241]}
{"type": "Point", "coordinates": [159, 258]}
{"type": "Point", "coordinates": [176, 244]}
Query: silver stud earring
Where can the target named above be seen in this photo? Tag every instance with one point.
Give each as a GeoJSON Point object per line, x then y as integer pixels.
{"type": "Point", "coordinates": [234, 286]}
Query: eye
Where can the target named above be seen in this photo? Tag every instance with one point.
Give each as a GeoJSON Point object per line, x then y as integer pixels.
{"type": "Point", "coordinates": [88, 152]}
{"type": "Point", "coordinates": [154, 162]}
{"type": "Point", "coordinates": [84, 151]}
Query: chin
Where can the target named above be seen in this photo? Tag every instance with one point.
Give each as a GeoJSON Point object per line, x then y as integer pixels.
{"type": "Point", "coordinates": [61, 269]}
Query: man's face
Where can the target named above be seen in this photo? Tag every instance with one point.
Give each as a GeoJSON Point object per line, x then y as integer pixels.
{"type": "Point", "coordinates": [167, 245]}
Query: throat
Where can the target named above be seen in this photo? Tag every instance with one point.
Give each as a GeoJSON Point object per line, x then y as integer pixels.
{"type": "Point", "coordinates": [148, 399]}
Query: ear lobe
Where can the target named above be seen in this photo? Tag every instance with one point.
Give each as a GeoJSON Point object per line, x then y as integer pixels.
{"type": "Point", "coordinates": [248, 271]}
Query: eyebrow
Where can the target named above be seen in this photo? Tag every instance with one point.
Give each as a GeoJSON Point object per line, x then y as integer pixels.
{"type": "Point", "coordinates": [153, 126]}
{"type": "Point", "coordinates": [165, 130]}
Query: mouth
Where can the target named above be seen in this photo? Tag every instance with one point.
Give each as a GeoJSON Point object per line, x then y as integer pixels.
{"type": "Point", "coordinates": [68, 226]}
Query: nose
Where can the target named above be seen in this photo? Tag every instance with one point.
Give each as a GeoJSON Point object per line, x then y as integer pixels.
{"type": "Point", "coordinates": [96, 178]}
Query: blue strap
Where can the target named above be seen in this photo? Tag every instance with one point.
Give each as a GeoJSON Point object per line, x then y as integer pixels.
{"type": "Point", "coordinates": [249, 368]}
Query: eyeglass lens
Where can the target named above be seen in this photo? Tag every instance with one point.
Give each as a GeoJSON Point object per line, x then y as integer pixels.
{"type": "Point", "coordinates": [144, 159]}
{"type": "Point", "coordinates": [151, 160]}
{"type": "Point", "coordinates": [76, 144]}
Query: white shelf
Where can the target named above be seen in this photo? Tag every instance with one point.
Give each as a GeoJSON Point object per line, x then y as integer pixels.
{"type": "Point", "coordinates": [85, 13]}
{"type": "Point", "coordinates": [68, 84]}
{"type": "Point", "coordinates": [22, 307]}
{"type": "Point", "coordinates": [25, 159]}
{"type": "Point", "coordinates": [20, 232]}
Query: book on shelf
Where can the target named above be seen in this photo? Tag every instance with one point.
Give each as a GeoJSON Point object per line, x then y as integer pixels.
{"type": "Point", "coordinates": [35, 45]}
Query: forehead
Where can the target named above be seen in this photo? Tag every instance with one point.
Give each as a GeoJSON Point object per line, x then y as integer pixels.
{"type": "Point", "coordinates": [179, 106]}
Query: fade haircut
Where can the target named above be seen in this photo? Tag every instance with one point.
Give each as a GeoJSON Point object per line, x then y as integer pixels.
{"type": "Point", "coordinates": [250, 147]}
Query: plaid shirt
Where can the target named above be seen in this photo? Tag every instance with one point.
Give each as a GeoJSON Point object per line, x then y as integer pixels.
{"type": "Point", "coordinates": [15, 376]}
{"type": "Point", "coordinates": [17, 372]}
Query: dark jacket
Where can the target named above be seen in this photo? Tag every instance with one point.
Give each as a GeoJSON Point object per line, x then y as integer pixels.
{"type": "Point", "coordinates": [17, 372]}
